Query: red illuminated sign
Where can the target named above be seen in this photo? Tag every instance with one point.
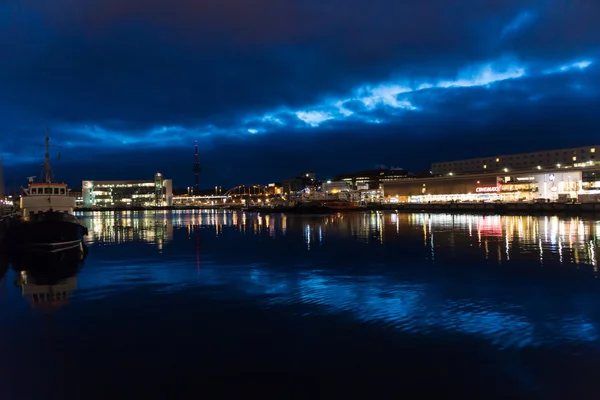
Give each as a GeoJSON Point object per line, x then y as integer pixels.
{"type": "Point", "coordinates": [488, 189]}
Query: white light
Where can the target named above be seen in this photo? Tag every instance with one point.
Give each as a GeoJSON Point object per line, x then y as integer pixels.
{"type": "Point", "coordinates": [505, 169]}
{"type": "Point", "coordinates": [539, 167]}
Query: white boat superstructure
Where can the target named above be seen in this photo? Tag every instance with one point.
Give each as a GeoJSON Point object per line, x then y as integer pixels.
{"type": "Point", "coordinates": [42, 197]}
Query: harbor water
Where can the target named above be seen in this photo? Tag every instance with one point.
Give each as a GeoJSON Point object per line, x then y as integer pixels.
{"type": "Point", "coordinates": [184, 304]}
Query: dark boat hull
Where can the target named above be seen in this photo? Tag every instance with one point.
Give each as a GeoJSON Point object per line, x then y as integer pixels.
{"type": "Point", "coordinates": [50, 231]}
{"type": "Point", "coordinates": [49, 269]}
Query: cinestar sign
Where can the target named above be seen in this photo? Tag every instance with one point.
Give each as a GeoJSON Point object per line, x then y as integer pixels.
{"type": "Point", "coordinates": [488, 189]}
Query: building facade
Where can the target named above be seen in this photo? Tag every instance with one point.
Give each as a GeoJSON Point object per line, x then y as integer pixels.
{"type": "Point", "coordinates": [566, 184]}
{"type": "Point", "coordinates": [297, 184]}
{"type": "Point", "coordinates": [371, 179]}
{"type": "Point", "coordinates": [577, 157]}
{"type": "Point", "coordinates": [335, 186]}
{"type": "Point", "coordinates": [150, 193]}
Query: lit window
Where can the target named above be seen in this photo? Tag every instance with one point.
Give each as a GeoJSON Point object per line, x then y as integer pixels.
{"type": "Point", "coordinates": [593, 150]}
{"type": "Point", "coordinates": [574, 158]}
{"type": "Point", "coordinates": [484, 166]}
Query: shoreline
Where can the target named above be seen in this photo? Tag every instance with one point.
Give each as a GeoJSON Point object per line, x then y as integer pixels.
{"type": "Point", "coordinates": [457, 208]}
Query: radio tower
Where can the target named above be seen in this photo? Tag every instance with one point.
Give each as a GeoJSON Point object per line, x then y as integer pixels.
{"type": "Point", "coordinates": [196, 165]}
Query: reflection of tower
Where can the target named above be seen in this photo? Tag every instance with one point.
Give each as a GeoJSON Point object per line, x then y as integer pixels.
{"type": "Point", "coordinates": [196, 166]}
{"type": "Point", "coordinates": [198, 248]}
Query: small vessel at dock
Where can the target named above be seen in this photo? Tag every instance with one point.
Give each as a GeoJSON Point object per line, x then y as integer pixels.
{"type": "Point", "coordinates": [47, 222]}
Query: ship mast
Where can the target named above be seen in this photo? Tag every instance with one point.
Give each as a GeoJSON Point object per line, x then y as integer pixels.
{"type": "Point", "coordinates": [47, 164]}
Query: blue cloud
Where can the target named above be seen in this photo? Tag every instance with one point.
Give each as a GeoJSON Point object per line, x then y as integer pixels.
{"type": "Point", "coordinates": [123, 81]}
{"type": "Point", "coordinates": [518, 23]}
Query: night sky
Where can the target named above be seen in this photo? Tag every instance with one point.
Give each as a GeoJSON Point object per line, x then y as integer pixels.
{"type": "Point", "coordinates": [271, 88]}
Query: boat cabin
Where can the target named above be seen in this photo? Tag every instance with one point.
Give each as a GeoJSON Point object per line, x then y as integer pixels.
{"type": "Point", "coordinates": [41, 197]}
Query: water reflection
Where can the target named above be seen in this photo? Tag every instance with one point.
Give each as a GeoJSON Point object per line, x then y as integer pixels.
{"type": "Point", "coordinates": [47, 280]}
{"type": "Point", "coordinates": [388, 285]}
{"type": "Point", "coordinates": [498, 239]}
{"type": "Point", "coordinates": [127, 226]}
{"type": "Point", "coordinates": [232, 288]}
{"type": "Point", "coordinates": [3, 268]}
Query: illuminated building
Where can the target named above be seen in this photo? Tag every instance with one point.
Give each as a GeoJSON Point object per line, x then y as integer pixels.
{"type": "Point", "coordinates": [564, 184]}
{"type": "Point", "coordinates": [191, 200]}
{"type": "Point", "coordinates": [371, 179]}
{"type": "Point", "coordinates": [297, 184]}
{"type": "Point", "coordinates": [335, 186]}
{"type": "Point", "coordinates": [275, 188]}
{"type": "Point", "coordinates": [576, 157]}
{"type": "Point", "coordinates": [371, 196]}
{"type": "Point", "coordinates": [157, 192]}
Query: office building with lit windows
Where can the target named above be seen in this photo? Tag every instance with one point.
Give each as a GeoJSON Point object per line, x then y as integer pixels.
{"type": "Point", "coordinates": [575, 157]}
{"type": "Point", "coordinates": [150, 193]}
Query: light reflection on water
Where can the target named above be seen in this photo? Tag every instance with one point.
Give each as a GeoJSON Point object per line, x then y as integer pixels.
{"type": "Point", "coordinates": [496, 238]}
{"type": "Point", "coordinates": [513, 282]}
{"type": "Point", "coordinates": [411, 302]}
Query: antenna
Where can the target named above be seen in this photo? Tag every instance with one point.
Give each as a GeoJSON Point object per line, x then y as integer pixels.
{"type": "Point", "coordinates": [47, 156]}
{"type": "Point", "coordinates": [196, 165]}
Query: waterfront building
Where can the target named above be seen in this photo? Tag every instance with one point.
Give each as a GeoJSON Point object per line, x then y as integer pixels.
{"type": "Point", "coordinates": [575, 157]}
{"type": "Point", "coordinates": [275, 189]}
{"type": "Point", "coordinates": [199, 200]}
{"type": "Point", "coordinates": [558, 184]}
{"type": "Point", "coordinates": [299, 183]}
{"type": "Point", "coordinates": [371, 179]}
{"type": "Point", "coordinates": [371, 196]}
{"type": "Point", "coordinates": [147, 193]}
{"type": "Point", "coordinates": [335, 186]}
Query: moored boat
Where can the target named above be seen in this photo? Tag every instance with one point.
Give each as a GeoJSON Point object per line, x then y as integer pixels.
{"type": "Point", "coordinates": [47, 222]}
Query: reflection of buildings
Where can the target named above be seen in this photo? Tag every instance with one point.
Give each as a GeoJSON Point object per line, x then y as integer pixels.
{"type": "Point", "coordinates": [158, 192]}
{"type": "Point", "coordinates": [127, 226]}
{"type": "Point", "coordinates": [546, 240]}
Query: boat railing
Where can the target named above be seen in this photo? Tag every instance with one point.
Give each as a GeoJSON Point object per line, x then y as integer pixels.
{"type": "Point", "coordinates": [42, 216]}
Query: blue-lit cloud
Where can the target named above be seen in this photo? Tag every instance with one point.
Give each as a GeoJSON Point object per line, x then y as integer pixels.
{"type": "Point", "coordinates": [394, 73]}
{"type": "Point", "coordinates": [519, 22]}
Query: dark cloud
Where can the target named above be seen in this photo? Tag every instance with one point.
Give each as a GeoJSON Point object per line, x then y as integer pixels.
{"type": "Point", "coordinates": [271, 88]}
